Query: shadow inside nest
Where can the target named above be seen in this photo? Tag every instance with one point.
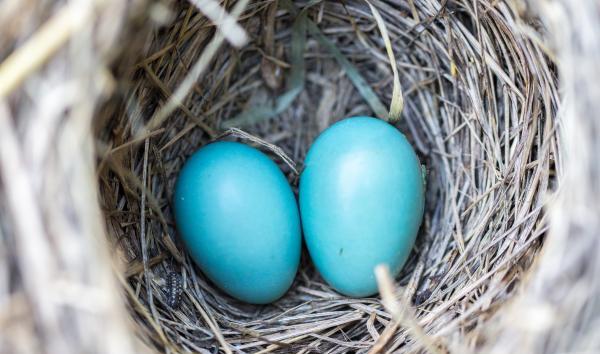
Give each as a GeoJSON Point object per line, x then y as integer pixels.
{"type": "Point", "coordinates": [478, 125]}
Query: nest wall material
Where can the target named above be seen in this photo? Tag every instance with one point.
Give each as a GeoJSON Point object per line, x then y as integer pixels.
{"type": "Point", "coordinates": [101, 102]}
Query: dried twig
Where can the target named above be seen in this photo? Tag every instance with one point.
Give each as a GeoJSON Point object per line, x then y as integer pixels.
{"type": "Point", "coordinates": [480, 106]}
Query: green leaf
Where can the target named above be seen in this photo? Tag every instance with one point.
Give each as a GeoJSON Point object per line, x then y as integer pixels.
{"type": "Point", "coordinates": [353, 74]}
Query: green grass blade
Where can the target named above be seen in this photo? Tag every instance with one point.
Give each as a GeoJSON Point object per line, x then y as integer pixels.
{"type": "Point", "coordinates": [295, 84]}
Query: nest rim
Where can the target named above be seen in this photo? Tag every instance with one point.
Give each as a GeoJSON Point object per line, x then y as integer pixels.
{"type": "Point", "coordinates": [440, 111]}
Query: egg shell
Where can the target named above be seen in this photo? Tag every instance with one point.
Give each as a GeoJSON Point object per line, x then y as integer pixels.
{"type": "Point", "coordinates": [239, 220]}
{"type": "Point", "coordinates": [361, 201]}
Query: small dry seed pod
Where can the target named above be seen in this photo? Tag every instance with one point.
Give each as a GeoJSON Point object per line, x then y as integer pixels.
{"type": "Point", "coordinates": [174, 289]}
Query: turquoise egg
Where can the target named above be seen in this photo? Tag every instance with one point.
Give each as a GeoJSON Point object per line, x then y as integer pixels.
{"type": "Point", "coordinates": [361, 201]}
{"type": "Point", "coordinates": [238, 217]}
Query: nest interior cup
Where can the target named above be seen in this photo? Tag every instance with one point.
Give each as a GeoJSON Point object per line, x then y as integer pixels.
{"type": "Point", "coordinates": [480, 101]}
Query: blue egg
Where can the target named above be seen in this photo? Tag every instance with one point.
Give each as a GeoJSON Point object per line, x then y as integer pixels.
{"type": "Point", "coordinates": [238, 217]}
{"type": "Point", "coordinates": [361, 201]}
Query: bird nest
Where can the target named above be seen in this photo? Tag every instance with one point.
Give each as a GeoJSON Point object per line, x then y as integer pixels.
{"type": "Point", "coordinates": [478, 98]}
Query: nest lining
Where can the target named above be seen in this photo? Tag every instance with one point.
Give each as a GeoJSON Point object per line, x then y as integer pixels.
{"type": "Point", "coordinates": [480, 100]}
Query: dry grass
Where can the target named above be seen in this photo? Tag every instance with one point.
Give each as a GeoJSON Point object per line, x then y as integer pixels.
{"type": "Point", "coordinates": [480, 103]}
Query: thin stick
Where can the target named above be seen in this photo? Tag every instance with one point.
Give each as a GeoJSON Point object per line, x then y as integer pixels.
{"type": "Point", "coordinates": [143, 244]}
{"type": "Point", "coordinates": [400, 313]}
{"type": "Point", "coordinates": [226, 23]}
{"type": "Point", "coordinates": [32, 247]}
{"type": "Point", "coordinates": [211, 324]}
{"type": "Point", "coordinates": [190, 80]}
{"type": "Point", "coordinates": [51, 36]}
